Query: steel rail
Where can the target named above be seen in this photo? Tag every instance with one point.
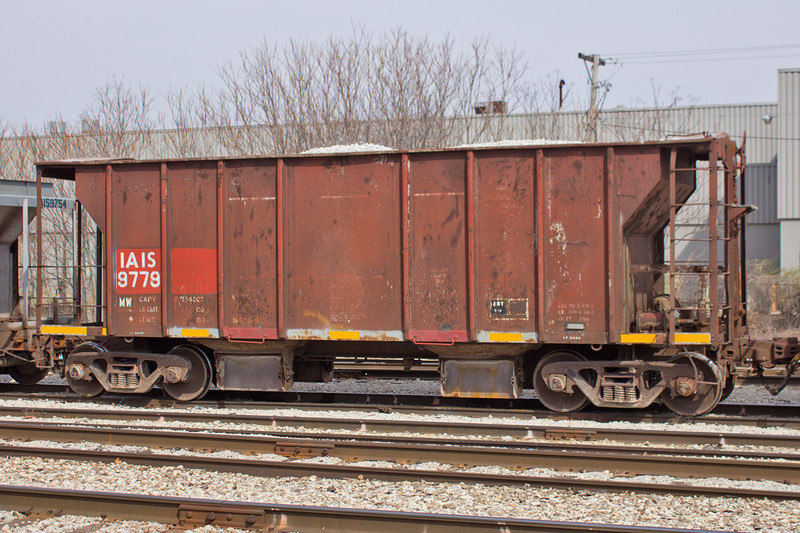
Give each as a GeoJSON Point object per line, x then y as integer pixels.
{"type": "Point", "coordinates": [528, 444]}
{"type": "Point", "coordinates": [261, 468]}
{"type": "Point", "coordinates": [630, 461]}
{"type": "Point", "coordinates": [193, 512]}
{"type": "Point", "coordinates": [739, 414]}
{"type": "Point", "coordinates": [511, 428]}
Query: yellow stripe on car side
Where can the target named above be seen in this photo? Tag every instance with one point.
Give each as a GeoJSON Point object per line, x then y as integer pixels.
{"type": "Point", "coordinates": [692, 338]}
{"type": "Point", "coordinates": [637, 338]}
{"type": "Point", "coordinates": [194, 332]}
{"type": "Point", "coordinates": [505, 337]}
{"type": "Point", "coordinates": [344, 335]}
{"type": "Point", "coordinates": [64, 330]}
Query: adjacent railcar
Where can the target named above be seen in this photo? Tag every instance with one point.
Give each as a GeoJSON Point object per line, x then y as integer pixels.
{"type": "Point", "coordinates": [562, 267]}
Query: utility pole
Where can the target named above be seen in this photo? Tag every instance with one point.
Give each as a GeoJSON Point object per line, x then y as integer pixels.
{"type": "Point", "coordinates": [597, 62]}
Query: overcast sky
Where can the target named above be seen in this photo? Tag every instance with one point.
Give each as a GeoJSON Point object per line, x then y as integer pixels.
{"type": "Point", "coordinates": [56, 53]}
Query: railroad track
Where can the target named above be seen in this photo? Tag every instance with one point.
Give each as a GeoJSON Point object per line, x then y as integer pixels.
{"type": "Point", "coordinates": [356, 446]}
{"type": "Point", "coordinates": [349, 447]}
{"type": "Point", "coordinates": [762, 415]}
{"type": "Point", "coordinates": [191, 512]}
{"type": "Point", "coordinates": [497, 428]}
{"type": "Point", "coordinates": [294, 469]}
{"type": "Point", "coordinates": [626, 461]}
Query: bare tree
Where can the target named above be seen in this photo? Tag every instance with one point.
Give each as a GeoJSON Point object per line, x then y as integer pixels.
{"type": "Point", "coordinates": [184, 132]}
{"type": "Point", "coordinates": [394, 89]}
{"type": "Point", "coordinates": [117, 123]}
{"type": "Point", "coordinates": [653, 120]}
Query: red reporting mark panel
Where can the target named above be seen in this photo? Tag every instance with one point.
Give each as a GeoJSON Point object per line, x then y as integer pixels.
{"type": "Point", "coordinates": [134, 251]}
{"type": "Point", "coordinates": [193, 270]}
{"type": "Point", "coordinates": [249, 248]}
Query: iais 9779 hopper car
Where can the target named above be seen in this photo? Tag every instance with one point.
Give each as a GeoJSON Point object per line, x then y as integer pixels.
{"type": "Point", "coordinates": [562, 267]}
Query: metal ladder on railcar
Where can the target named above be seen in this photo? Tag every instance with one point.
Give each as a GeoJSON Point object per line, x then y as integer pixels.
{"type": "Point", "coordinates": [709, 275]}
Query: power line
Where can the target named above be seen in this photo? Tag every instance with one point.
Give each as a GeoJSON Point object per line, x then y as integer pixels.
{"type": "Point", "coordinates": [706, 59]}
{"type": "Point", "coordinates": [611, 126]}
{"type": "Point", "coordinates": [767, 138]}
{"type": "Point", "coordinates": [708, 51]}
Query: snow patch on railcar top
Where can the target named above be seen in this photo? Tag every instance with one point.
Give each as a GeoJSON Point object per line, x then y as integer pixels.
{"type": "Point", "coordinates": [516, 142]}
{"type": "Point", "coordinates": [348, 148]}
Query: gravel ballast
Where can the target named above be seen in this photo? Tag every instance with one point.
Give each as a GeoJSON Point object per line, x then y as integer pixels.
{"type": "Point", "coordinates": [424, 497]}
{"type": "Point", "coordinates": [461, 498]}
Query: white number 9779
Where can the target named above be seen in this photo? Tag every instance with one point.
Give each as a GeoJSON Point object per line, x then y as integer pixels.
{"type": "Point", "coordinates": [138, 278]}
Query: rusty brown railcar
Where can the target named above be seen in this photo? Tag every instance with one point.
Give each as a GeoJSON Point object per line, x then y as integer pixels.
{"type": "Point", "coordinates": [563, 267]}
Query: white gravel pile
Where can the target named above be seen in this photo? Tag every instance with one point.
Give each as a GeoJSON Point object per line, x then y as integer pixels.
{"type": "Point", "coordinates": [516, 142]}
{"type": "Point", "coordinates": [348, 148]}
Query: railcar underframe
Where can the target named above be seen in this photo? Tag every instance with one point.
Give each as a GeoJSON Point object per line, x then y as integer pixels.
{"type": "Point", "coordinates": [602, 273]}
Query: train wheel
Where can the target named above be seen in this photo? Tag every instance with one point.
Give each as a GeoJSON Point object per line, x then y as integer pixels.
{"type": "Point", "coordinates": [197, 382]}
{"type": "Point", "coordinates": [79, 379]}
{"type": "Point", "coordinates": [562, 402]}
{"type": "Point", "coordinates": [703, 386]}
{"type": "Point", "coordinates": [27, 374]}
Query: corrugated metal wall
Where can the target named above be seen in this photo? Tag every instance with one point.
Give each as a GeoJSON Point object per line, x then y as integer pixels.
{"type": "Point", "coordinates": [763, 226]}
{"type": "Point", "coordinates": [639, 125]}
{"type": "Point", "coordinates": [788, 127]}
{"type": "Point", "coordinates": [761, 191]}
